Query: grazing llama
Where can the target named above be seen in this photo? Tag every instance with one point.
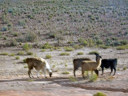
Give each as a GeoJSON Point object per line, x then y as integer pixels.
{"type": "Point", "coordinates": [38, 64]}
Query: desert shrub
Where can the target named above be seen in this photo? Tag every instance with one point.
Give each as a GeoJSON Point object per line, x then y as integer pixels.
{"type": "Point", "coordinates": [12, 54]}
{"type": "Point", "coordinates": [4, 53]}
{"type": "Point", "coordinates": [17, 58]}
{"type": "Point", "coordinates": [47, 46]}
{"type": "Point", "coordinates": [68, 48]}
{"type": "Point", "coordinates": [20, 53]}
{"type": "Point", "coordinates": [122, 47]}
{"type": "Point", "coordinates": [99, 94]}
{"type": "Point", "coordinates": [73, 79]}
{"type": "Point", "coordinates": [29, 53]}
{"type": "Point", "coordinates": [93, 78]}
{"type": "Point", "coordinates": [5, 28]}
{"type": "Point", "coordinates": [21, 23]}
{"type": "Point", "coordinates": [64, 54]}
{"type": "Point", "coordinates": [65, 72]}
{"type": "Point", "coordinates": [24, 60]}
{"type": "Point", "coordinates": [12, 42]}
{"type": "Point", "coordinates": [78, 46]}
{"type": "Point", "coordinates": [103, 46]}
{"type": "Point", "coordinates": [48, 56]}
{"type": "Point", "coordinates": [83, 42]}
{"type": "Point", "coordinates": [31, 37]}
{"type": "Point", "coordinates": [93, 52]}
{"type": "Point", "coordinates": [80, 53]}
{"type": "Point", "coordinates": [27, 47]}
{"type": "Point", "coordinates": [90, 43]}
{"type": "Point", "coordinates": [43, 50]}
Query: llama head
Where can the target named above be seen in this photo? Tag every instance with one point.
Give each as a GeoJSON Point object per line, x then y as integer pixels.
{"type": "Point", "coordinates": [50, 74]}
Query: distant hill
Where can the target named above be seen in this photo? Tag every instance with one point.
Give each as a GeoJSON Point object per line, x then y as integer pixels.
{"type": "Point", "coordinates": [64, 22]}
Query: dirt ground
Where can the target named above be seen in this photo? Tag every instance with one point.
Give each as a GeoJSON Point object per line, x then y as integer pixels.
{"type": "Point", "coordinates": [14, 80]}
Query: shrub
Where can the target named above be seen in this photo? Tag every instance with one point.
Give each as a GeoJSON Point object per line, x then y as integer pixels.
{"type": "Point", "coordinates": [20, 53]}
{"type": "Point", "coordinates": [27, 47]}
{"type": "Point", "coordinates": [46, 46]}
{"type": "Point", "coordinates": [78, 46]}
{"type": "Point", "coordinates": [65, 72]}
{"type": "Point", "coordinates": [93, 52]}
{"type": "Point", "coordinates": [29, 53]}
{"type": "Point", "coordinates": [93, 78]}
{"type": "Point", "coordinates": [63, 54]}
{"type": "Point", "coordinates": [83, 42]}
{"type": "Point", "coordinates": [21, 23]}
{"type": "Point", "coordinates": [99, 94]}
{"type": "Point", "coordinates": [48, 56]}
{"type": "Point", "coordinates": [25, 66]}
{"type": "Point", "coordinates": [68, 48]}
{"type": "Point", "coordinates": [5, 28]}
{"type": "Point", "coordinates": [12, 54]}
{"type": "Point", "coordinates": [72, 79]}
{"type": "Point", "coordinates": [17, 58]}
{"type": "Point", "coordinates": [31, 37]}
{"type": "Point", "coordinates": [80, 53]}
{"type": "Point", "coordinates": [4, 53]}
{"type": "Point", "coordinates": [43, 50]}
{"type": "Point", "coordinates": [103, 46]}
{"type": "Point", "coordinates": [122, 47]}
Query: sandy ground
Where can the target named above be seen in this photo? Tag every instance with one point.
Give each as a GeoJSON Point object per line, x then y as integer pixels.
{"type": "Point", "coordinates": [15, 82]}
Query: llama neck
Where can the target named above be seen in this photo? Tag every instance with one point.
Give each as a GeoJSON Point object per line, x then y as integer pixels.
{"type": "Point", "coordinates": [98, 63]}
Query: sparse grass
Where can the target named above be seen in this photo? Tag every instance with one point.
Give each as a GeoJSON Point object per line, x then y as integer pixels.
{"type": "Point", "coordinates": [100, 94]}
{"type": "Point", "coordinates": [65, 72]}
{"type": "Point", "coordinates": [4, 53]}
{"type": "Point", "coordinates": [122, 47]}
{"type": "Point", "coordinates": [64, 54]}
{"type": "Point", "coordinates": [20, 53]}
{"type": "Point", "coordinates": [93, 52]}
{"type": "Point", "coordinates": [17, 58]}
{"type": "Point", "coordinates": [103, 46]}
{"type": "Point", "coordinates": [48, 56]}
{"type": "Point", "coordinates": [93, 78]}
{"type": "Point", "coordinates": [80, 53]}
{"type": "Point", "coordinates": [27, 47]}
{"type": "Point", "coordinates": [29, 53]}
{"type": "Point", "coordinates": [68, 48]}
{"type": "Point", "coordinates": [47, 46]}
{"type": "Point", "coordinates": [73, 79]}
{"type": "Point", "coordinates": [12, 54]}
{"type": "Point", "coordinates": [43, 50]}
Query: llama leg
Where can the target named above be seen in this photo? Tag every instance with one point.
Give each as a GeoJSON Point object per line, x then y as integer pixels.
{"type": "Point", "coordinates": [102, 70]}
{"type": "Point", "coordinates": [114, 71]}
{"type": "Point", "coordinates": [29, 73]}
{"type": "Point", "coordinates": [111, 70]}
{"type": "Point", "coordinates": [74, 73]}
{"type": "Point", "coordinates": [37, 74]}
{"type": "Point", "coordinates": [83, 74]}
{"type": "Point", "coordinates": [44, 71]}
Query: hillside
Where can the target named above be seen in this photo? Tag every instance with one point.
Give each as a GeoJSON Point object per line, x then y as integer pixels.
{"type": "Point", "coordinates": [64, 22]}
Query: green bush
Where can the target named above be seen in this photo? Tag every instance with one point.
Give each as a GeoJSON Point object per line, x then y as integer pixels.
{"type": "Point", "coordinates": [80, 53]}
{"type": "Point", "coordinates": [65, 72]}
{"type": "Point", "coordinates": [122, 47]}
{"type": "Point", "coordinates": [29, 53]}
{"type": "Point", "coordinates": [20, 53]}
{"type": "Point", "coordinates": [31, 37]}
{"type": "Point", "coordinates": [64, 54]}
{"type": "Point", "coordinates": [93, 52]}
{"type": "Point", "coordinates": [68, 48]}
{"type": "Point", "coordinates": [48, 56]}
{"type": "Point", "coordinates": [47, 46]}
{"type": "Point", "coordinates": [27, 47]}
{"type": "Point", "coordinates": [17, 58]}
{"type": "Point", "coordinates": [4, 53]}
{"type": "Point", "coordinates": [99, 94]}
{"type": "Point", "coordinates": [93, 78]}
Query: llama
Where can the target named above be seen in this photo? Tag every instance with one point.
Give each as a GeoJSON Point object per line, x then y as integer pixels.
{"type": "Point", "coordinates": [77, 63]}
{"type": "Point", "coordinates": [91, 66]}
{"type": "Point", "coordinates": [108, 63]}
{"type": "Point", "coordinates": [38, 64]}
